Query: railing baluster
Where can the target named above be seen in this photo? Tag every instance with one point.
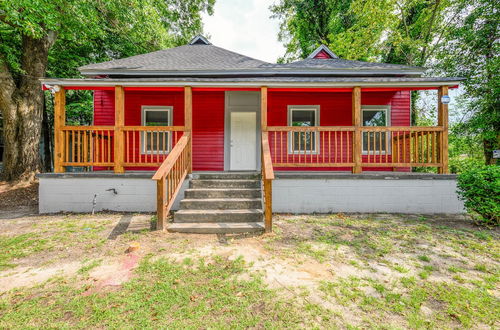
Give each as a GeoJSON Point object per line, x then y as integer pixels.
{"type": "Point", "coordinates": [342, 160]}
{"type": "Point", "coordinates": [336, 146]}
{"type": "Point", "coordinates": [380, 147]}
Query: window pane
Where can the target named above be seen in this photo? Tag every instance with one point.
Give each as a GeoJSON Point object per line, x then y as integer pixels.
{"type": "Point", "coordinates": [304, 141]}
{"type": "Point", "coordinates": [157, 141]}
{"type": "Point", "coordinates": [374, 118]}
{"type": "Point", "coordinates": [303, 118]}
{"type": "Point", "coordinates": [372, 141]}
{"type": "Point", "coordinates": [156, 118]}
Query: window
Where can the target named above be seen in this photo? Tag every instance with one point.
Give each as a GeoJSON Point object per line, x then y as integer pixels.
{"type": "Point", "coordinates": [156, 142]}
{"type": "Point", "coordinates": [303, 116]}
{"type": "Point", "coordinates": [375, 116]}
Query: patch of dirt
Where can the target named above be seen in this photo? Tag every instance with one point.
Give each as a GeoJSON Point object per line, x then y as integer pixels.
{"type": "Point", "coordinates": [14, 195]}
{"type": "Point", "coordinates": [28, 276]}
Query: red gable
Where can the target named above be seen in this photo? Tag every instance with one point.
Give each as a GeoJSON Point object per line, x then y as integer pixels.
{"type": "Point", "coordinates": [323, 55]}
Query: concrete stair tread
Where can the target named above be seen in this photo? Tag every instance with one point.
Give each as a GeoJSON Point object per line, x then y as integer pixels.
{"type": "Point", "coordinates": [217, 212]}
{"type": "Point", "coordinates": [217, 228]}
{"type": "Point", "coordinates": [223, 189]}
{"type": "Point", "coordinates": [221, 199]}
{"type": "Point", "coordinates": [227, 181]}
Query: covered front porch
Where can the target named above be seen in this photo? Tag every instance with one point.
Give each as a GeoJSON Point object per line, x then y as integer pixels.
{"type": "Point", "coordinates": [358, 129]}
{"type": "Point", "coordinates": [366, 137]}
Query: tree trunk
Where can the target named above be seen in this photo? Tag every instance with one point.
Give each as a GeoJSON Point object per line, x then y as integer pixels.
{"type": "Point", "coordinates": [21, 104]}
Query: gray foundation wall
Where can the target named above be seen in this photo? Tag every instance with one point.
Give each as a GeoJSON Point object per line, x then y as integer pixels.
{"type": "Point", "coordinates": [292, 193]}
{"type": "Point", "coordinates": [391, 193]}
{"type": "Point", "coordinates": [135, 192]}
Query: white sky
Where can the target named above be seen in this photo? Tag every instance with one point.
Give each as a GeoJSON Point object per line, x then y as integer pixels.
{"type": "Point", "coordinates": [245, 27]}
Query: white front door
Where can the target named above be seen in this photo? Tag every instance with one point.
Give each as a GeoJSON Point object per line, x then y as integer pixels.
{"type": "Point", "coordinates": [243, 142]}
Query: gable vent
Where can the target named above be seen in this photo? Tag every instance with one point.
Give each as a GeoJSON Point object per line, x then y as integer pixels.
{"type": "Point", "coordinates": [322, 52]}
{"type": "Point", "coordinates": [199, 40]}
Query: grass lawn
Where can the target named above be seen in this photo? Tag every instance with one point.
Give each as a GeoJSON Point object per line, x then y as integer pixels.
{"type": "Point", "coordinates": [326, 271]}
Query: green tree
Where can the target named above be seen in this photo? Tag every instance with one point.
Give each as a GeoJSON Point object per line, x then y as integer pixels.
{"type": "Point", "coordinates": [472, 51]}
{"type": "Point", "coordinates": [57, 36]}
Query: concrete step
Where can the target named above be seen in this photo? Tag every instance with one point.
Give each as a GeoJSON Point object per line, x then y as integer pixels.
{"type": "Point", "coordinates": [196, 183]}
{"type": "Point", "coordinates": [227, 176]}
{"type": "Point", "coordinates": [222, 192]}
{"type": "Point", "coordinates": [217, 216]}
{"type": "Point", "coordinates": [220, 203]}
{"type": "Point", "coordinates": [217, 228]}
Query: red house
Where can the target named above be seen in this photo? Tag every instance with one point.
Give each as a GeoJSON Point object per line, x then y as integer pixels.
{"type": "Point", "coordinates": [229, 125]}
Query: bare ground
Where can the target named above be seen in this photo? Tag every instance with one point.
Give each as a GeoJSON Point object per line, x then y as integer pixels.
{"type": "Point", "coordinates": [350, 265]}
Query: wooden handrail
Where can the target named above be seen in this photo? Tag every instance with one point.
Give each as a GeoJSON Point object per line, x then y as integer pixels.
{"type": "Point", "coordinates": [267, 177]}
{"type": "Point", "coordinates": [267, 163]}
{"type": "Point", "coordinates": [169, 162]}
{"type": "Point", "coordinates": [153, 128]}
{"type": "Point", "coordinates": [310, 128]}
{"type": "Point", "coordinates": [169, 178]}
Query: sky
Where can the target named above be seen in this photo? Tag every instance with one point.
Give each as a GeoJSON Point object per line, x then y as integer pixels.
{"type": "Point", "coordinates": [245, 27]}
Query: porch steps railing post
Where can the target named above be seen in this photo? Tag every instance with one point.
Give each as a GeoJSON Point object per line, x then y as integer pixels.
{"type": "Point", "coordinates": [188, 121]}
{"type": "Point", "coordinates": [267, 164]}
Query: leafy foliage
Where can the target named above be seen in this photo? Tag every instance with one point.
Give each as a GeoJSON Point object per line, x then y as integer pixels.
{"type": "Point", "coordinates": [472, 51]}
{"type": "Point", "coordinates": [55, 37]}
{"type": "Point", "coordinates": [403, 32]}
{"type": "Point", "coordinates": [479, 188]}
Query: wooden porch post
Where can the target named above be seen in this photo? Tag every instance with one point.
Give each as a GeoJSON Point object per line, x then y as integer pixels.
{"type": "Point", "coordinates": [356, 122]}
{"type": "Point", "coordinates": [267, 166]}
{"type": "Point", "coordinates": [188, 121]}
{"type": "Point", "coordinates": [443, 122]}
{"type": "Point", "coordinates": [119, 123]}
{"type": "Point", "coordinates": [59, 122]}
{"type": "Point", "coordinates": [263, 108]}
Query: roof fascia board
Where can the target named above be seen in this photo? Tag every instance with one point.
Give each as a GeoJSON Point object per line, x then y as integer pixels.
{"type": "Point", "coordinates": [229, 72]}
{"type": "Point", "coordinates": [97, 82]}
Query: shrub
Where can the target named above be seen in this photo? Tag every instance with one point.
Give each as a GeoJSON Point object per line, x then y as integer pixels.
{"type": "Point", "coordinates": [459, 164]}
{"type": "Point", "coordinates": [479, 188]}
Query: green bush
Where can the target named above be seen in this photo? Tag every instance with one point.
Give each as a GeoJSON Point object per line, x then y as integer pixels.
{"type": "Point", "coordinates": [459, 165]}
{"type": "Point", "coordinates": [479, 188]}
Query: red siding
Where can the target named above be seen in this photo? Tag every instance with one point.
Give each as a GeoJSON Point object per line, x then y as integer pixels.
{"type": "Point", "coordinates": [208, 115]}
{"type": "Point", "coordinates": [104, 108]}
{"type": "Point", "coordinates": [208, 131]}
{"type": "Point", "coordinates": [336, 110]}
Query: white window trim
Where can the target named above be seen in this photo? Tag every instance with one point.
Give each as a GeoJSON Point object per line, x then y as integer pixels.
{"type": "Point", "coordinates": [316, 110]}
{"type": "Point", "coordinates": [387, 110]}
{"type": "Point", "coordinates": [146, 108]}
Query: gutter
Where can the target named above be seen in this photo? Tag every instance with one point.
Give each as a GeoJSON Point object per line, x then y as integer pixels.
{"type": "Point", "coordinates": [229, 84]}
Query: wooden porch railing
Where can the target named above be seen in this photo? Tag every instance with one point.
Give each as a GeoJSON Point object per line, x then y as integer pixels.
{"type": "Point", "coordinates": [169, 177]}
{"type": "Point", "coordinates": [332, 146]}
{"type": "Point", "coordinates": [143, 146]}
{"type": "Point", "coordinates": [319, 146]}
{"type": "Point", "coordinates": [267, 178]}
{"type": "Point", "coordinates": [149, 145]}
{"type": "Point", "coordinates": [87, 146]}
{"type": "Point", "coordinates": [402, 146]}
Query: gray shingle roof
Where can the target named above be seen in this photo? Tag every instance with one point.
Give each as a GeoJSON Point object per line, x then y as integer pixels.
{"type": "Point", "coordinates": [338, 63]}
{"type": "Point", "coordinates": [187, 57]}
{"type": "Point", "coordinates": [202, 58]}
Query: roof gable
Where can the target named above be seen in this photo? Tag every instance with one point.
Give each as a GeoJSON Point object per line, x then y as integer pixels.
{"type": "Point", "coordinates": [199, 40]}
{"type": "Point", "coordinates": [322, 52]}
